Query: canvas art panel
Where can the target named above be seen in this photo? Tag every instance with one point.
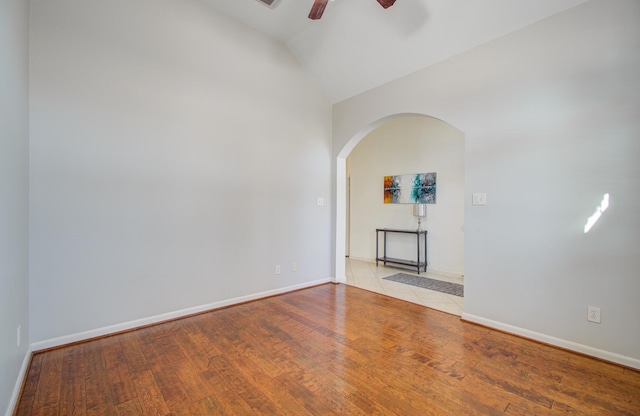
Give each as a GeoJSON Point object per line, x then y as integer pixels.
{"type": "Point", "coordinates": [415, 188]}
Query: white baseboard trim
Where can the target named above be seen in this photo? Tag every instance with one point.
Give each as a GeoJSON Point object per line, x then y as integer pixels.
{"type": "Point", "coordinates": [445, 273]}
{"type": "Point", "coordinates": [558, 342]}
{"type": "Point", "coordinates": [367, 260]}
{"type": "Point", "coordinates": [126, 326]}
{"type": "Point", "coordinates": [13, 401]}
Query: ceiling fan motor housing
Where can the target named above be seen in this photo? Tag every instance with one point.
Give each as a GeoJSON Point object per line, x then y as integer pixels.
{"type": "Point", "coordinates": [270, 3]}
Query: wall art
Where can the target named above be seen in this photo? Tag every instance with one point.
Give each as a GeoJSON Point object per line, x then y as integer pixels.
{"type": "Point", "coordinates": [416, 188]}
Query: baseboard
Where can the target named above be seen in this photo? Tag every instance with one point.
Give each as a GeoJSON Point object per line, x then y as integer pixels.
{"type": "Point", "coordinates": [126, 326]}
{"type": "Point", "coordinates": [557, 342]}
{"type": "Point", "coordinates": [445, 273]}
{"type": "Point", "coordinates": [367, 260]}
{"type": "Point", "coordinates": [19, 382]}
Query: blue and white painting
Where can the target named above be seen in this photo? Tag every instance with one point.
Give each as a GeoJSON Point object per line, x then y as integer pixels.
{"type": "Point", "coordinates": [416, 188]}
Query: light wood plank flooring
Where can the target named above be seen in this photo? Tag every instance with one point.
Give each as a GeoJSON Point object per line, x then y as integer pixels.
{"type": "Point", "coordinates": [326, 350]}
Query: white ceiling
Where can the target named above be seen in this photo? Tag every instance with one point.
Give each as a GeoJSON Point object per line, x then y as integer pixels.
{"type": "Point", "coordinates": [358, 45]}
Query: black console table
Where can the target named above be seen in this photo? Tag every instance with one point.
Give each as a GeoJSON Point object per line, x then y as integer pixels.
{"type": "Point", "coordinates": [421, 261]}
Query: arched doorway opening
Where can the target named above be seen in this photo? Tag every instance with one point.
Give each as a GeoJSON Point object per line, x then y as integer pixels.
{"type": "Point", "coordinates": [400, 144]}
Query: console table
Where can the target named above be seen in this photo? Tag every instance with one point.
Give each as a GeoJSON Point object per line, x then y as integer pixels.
{"type": "Point", "coordinates": [421, 261]}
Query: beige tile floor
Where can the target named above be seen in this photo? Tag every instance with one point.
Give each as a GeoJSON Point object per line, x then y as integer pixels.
{"type": "Point", "coordinates": [367, 276]}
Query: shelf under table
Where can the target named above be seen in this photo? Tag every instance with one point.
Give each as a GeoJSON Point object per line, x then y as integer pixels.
{"type": "Point", "coordinates": [418, 264]}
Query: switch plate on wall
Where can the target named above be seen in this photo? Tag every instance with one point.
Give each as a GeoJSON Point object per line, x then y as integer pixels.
{"type": "Point", "coordinates": [478, 199]}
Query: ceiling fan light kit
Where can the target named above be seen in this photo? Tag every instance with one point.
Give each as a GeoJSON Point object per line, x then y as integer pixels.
{"type": "Point", "coordinates": [319, 5]}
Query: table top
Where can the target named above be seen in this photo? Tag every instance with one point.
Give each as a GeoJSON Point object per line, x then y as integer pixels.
{"type": "Point", "coordinates": [395, 230]}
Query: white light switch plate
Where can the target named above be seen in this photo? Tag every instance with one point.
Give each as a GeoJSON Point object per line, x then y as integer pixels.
{"type": "Point", "coordinates": [478, 199]}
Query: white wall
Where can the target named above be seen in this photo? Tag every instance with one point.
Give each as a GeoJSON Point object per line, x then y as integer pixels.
{"type": "Point", "coordinates": [410, 144]}
{"type": "Point", "coordinates": [14, 192]}
{"type": "Point", "coordinates": [176, 158]}
{"type": "Point", "coordinates": [550, 117]}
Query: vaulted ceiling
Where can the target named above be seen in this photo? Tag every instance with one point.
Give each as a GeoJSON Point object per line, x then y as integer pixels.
{"type": "Point", "coordinates": [358, 45]}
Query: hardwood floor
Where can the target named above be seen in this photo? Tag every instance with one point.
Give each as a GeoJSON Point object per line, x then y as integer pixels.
{"type": "Point", "coordinates": [330, 349]}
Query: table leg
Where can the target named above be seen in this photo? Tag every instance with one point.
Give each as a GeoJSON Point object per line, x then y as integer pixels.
{"type": "Point", "coordinates": [418, 249]}
{"type": "Point", "coordinates": [384, 233]}
{"type": "Point", "coordinates": [377, 255]}
{"type": "Point", "coordinates": [425, 252]}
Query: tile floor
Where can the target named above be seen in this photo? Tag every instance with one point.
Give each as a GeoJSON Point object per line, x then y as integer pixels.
{"type": "Point", "coordinates": [367, 276]}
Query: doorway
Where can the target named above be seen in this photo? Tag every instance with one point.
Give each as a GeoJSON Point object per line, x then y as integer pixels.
{"type": "Point", "coordinates": [401, 145]}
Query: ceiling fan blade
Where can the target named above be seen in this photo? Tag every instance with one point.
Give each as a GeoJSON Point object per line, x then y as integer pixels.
{"type": "Point", "coordinates": [317, 9]}
{"type": "Point", "coordinates": [386, 3]}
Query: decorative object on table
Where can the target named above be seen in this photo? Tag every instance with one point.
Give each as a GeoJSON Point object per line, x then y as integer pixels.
{"type": "Point", "coordinates": [427, 283]}
{"type": "Point", "coordinates": [415, 188]}
{"type": "Point", "coordinates": [419, 211]}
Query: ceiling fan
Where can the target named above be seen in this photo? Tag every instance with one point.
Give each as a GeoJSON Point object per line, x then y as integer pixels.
{"type": "Point", "coordinates": [319, 5]}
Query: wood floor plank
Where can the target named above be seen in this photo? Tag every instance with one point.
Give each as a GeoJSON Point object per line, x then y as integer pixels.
{"type": "Point", "coordinates": [194, 385]}
{"type": "Point", "coordinates": [248, 391]}
{"type": "Point", "coordinates": [272, 387]}
{"type": "Point", "coordinates": [73, 393]}
{"type": "Point", "coordinates": [122, 388]}
{"type": "Point", "coordinates": [48, 397]}
{"type": "Point", "coordinates": [211, 406]}
{"type": "Point", "coordinates": [149, 397]}
{"type": "Point", "coordinates": [226, 400]}
{"type": "Point", "coordinates": [331, 391]}
{"type": "Point", "coordinates": [96, 380]}
{"type": "Point", "coordinates": [129, 408]}
{"type": "Point", "coordinates": [176, 397]}
{"type": "Point", "coordinates": [29, 390]}
{"type": "Point", "coordinates": [477, 398]}
{"type": "Point", "coordinates": [194, 346]}
{"type": "Point", "coordinates": [136, 361]}
{"type": "Point", "coordinates": [327, 350]}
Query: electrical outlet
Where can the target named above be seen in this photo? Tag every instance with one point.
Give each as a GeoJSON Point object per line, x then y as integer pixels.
{"type": "Point", "coordinates": [277, 269]}
{"type": "Point", "coordinates": [294, 267]}
{"type": "Point", "coordinates": [593, 314]}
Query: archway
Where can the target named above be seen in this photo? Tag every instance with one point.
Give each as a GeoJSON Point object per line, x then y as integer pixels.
{"type": "Point", "coordinates": [398, 144]}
